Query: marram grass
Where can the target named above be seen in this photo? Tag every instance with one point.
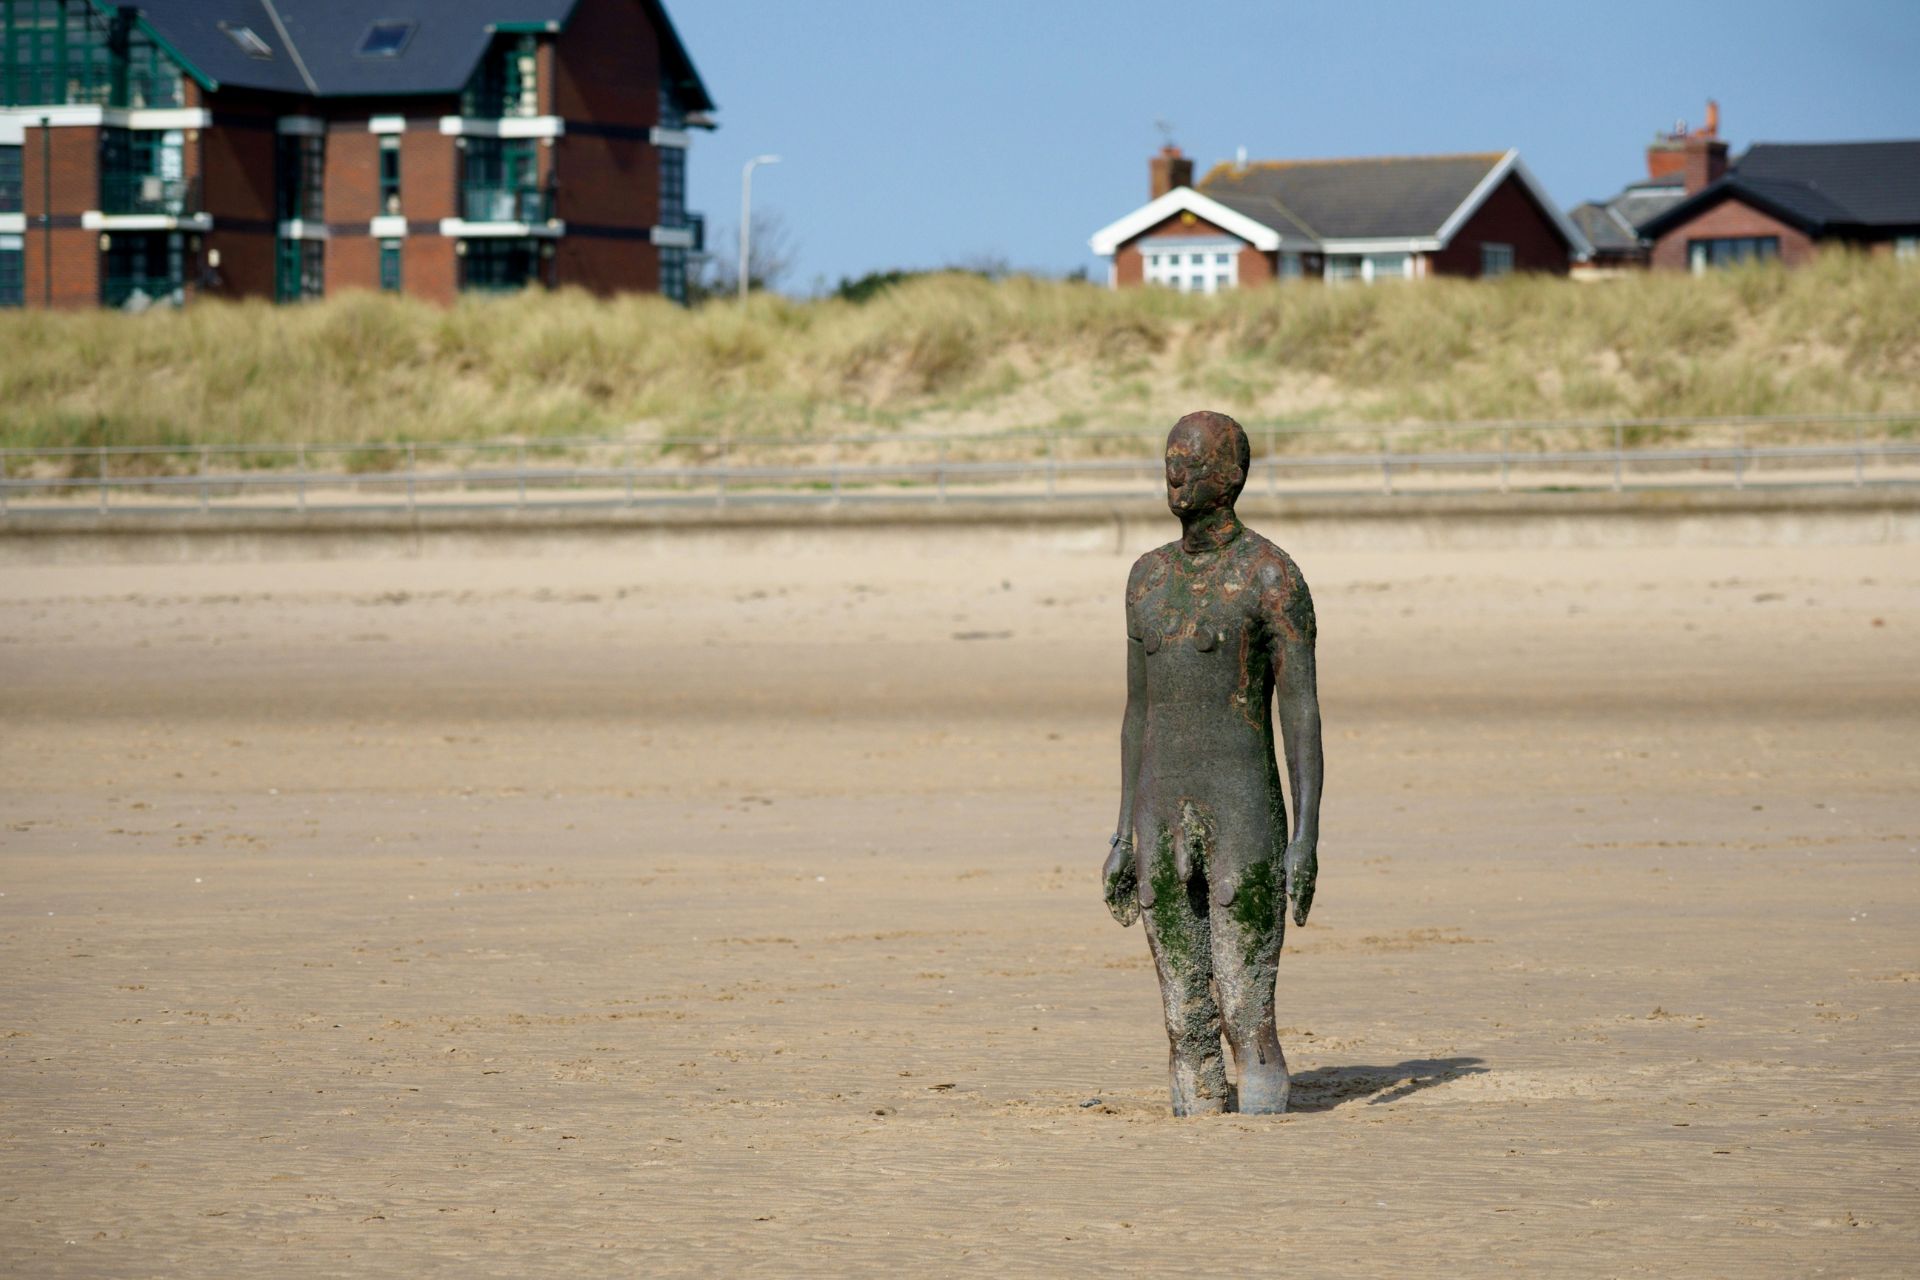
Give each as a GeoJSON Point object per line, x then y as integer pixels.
{"type": "Point", "coordinates": [955, 352]}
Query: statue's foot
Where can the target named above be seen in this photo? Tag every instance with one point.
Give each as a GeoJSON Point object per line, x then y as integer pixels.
{"type": "Point", "coordinates": [1184, 1107]}
{"type": "Point", "coordinates": [1263, 1090]}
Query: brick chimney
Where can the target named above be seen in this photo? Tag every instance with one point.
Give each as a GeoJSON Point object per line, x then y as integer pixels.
{"type": "Point", "coordinates": [1168, 170]}
{"type": "Point", "coordinates": [1700, 156]}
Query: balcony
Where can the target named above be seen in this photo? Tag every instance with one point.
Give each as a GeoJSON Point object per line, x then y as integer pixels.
{"type": "Point", "coordinates": [530, 206]}
{"type": "Point", "coordinates": [149, 195]}
{"type": "Point", "coordinates": [138, 292]}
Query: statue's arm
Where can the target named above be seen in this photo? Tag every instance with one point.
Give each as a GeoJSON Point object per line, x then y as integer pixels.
{"type": "Point", "coordinates": [1119, 877]}
{"type": "Point", "coordinates": [1297, 695]}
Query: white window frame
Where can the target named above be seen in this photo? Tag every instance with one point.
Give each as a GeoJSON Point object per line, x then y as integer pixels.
{"type": "Point", "coordinates": [1169, 261]}
{"type": "Point", "coordinates": [1906, 248]}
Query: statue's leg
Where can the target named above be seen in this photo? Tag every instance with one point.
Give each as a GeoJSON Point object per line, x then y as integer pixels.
{"type": "Point", "coordinates": [1247, 933]}
{"type": "Point", "coordinates": [1180, 934]}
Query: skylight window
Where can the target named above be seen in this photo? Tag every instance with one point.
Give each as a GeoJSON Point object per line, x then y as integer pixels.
{"type": "Point", "coordinates": [250, 44]}
{"type": "Point", "coordinates": [386, 39]}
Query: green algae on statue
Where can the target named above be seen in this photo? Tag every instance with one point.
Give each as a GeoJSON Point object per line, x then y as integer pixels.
{"type": "Point", "coordinates": [1220, 628]}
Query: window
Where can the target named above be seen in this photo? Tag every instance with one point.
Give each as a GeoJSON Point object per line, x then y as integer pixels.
{"type": "Point", "coordinates": [673, 187]}
{"type": "Point", "coordinates": [300, 181]}
{"type": "Point", "coordinates": [502, 181]}
{"type": "Point", "coordinates": [1207, 267]}
{"type": "Point", "coordinates": [13, 271]}
{"type": "Point", "coordinates": [673, 273]}
{"type": "Point", "coordinates": [1495, 260]}
{"type": "Point", "coordinates": [1369, 267]}
{"type": "Point", "coordinates": [390, 266]}
{"type": "Point", "coordinates": [1290, 266]}
{"type": "Point", "coordinates": [144, 268]}
{"type": "Point", "coordinates": [250, 44]}
{"type": "Point", "coordinates": [385, 39]}
{"type": "Point", "coordinates": [507, 81]}
{"type": "Point", "coordinates": [1729, 251]}
{"type": "Point", "coordinates": [55, 52]}
{"type": "Point", "coordinates": [499, 265]}
{"type": "Point", "coordinates": [10, 180]}
{"type": "Point", "coordinates": [300, 270]}
{"type": "Point", "coordinates": [390, 174]}
{"type": "Point", "coordinates": [1905, 248]}
{"type": "Point", "coordinates": [144, 171]}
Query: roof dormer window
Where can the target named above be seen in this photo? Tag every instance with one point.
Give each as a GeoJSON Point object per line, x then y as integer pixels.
{"type": "Point", "coordinates": [250, 44]}
{"type": "Point", "coordinates": [386, 39]}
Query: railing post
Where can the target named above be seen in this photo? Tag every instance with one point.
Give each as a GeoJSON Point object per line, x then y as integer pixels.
{"type": "Point", "coordinates": [940, 470]}
{"type": "Point", "coordinates": [1740, 458]}
{"type": "Point", "coordinates": [720, 485]}
{"type": "Point", "coordinates": [1859, 458]}
{"type": "Point", "coordinates": [103, 479]}
{"type": "Point", "coordinates": [300, 461]}
{"type": "Point", "coordinates": [1506, 455]}
{"type": "Point", "coordinates": [410, 462]}
{"type": "Point", "coordinates": [833, 461]}
{"type": "Point", "coordinates": [204, 498]}
{"type": "Point", "coordinates": [3, 482]}
{"type": "Point", "coordinates": [629, 465]}
{"type": "Point", "coordinates": [1619, 460]}
{"type": "Point", "coordinates": [1052, 466]}
{"type": "Point", "coordinates": [1273, 463]}
{"type": "Point", "coordinates": [1386, 466]}
{"type": "Point", "coordinates": [520, 474]}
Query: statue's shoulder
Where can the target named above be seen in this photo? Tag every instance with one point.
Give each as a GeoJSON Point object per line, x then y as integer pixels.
{"type": "Point", "coordinates": [1148, 572]}
{"type": "Point", "coordinates": [1271, 567]}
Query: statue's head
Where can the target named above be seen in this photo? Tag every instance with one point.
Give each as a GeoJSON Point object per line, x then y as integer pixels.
{"type": "Point", "coordinates": [1207, 460]}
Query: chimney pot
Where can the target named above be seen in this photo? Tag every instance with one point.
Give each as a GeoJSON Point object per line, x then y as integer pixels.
{"type": "Point", "coordinates": [1168, 170]}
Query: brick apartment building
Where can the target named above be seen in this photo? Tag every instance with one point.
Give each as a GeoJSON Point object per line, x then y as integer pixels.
{"type": "Point", "coordinates": [1371, 219]}
{"type": "Point", "coordinates": [286, 149]}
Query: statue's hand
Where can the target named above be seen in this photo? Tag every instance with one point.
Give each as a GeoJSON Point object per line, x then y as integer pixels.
{"type": "Point", "coordinates": [1303, 868]}
{"type": "Point", "coordinates": [1120, 879]}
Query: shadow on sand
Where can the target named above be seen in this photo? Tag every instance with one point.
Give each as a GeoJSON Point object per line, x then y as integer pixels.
{"type": "Point", "coordinates": [1325, 1088]}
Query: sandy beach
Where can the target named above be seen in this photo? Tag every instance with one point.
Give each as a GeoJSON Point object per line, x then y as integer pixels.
{"type": "Point", "coordinates": [730, 907]}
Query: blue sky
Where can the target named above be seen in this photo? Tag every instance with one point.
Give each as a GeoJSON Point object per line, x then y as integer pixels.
{"type": "Point", "coordinates": [920, 134]}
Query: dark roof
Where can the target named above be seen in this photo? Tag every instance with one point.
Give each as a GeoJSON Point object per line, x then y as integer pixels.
{"type": "Point", "coordinates": [1394, 196]}
{"type": "Point", "coordinates": [1816, 186]}
{"type": "Point", "coordinates": [315, 43]}
{"type": "Point", "coordinates": [1612, 226]}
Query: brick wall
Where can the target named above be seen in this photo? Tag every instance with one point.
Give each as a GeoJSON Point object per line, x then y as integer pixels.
{"type": "Point", "coordinates": [237, 160]}
{"type": "Point", "coordinates": [353, 175]}
{"type": "Point", "coordinates": [352, 262]}
{"type": "Point", "coordinates": [607, 65]}
{"type": "Point", "coordinates": [1731, 217]}
{"type": "Point", "coordinates": [429, 175]}
{"type": "Point", "coordinates": [429, 269]}
{"type": "Point", "coordinates": [1130, 268]}
{"type": "Point", "coordinates": [606, 266]}
{"type": "Point", "coordinates": [1510, 216]}
{"type": "Point", "coordinates": [72, 163]}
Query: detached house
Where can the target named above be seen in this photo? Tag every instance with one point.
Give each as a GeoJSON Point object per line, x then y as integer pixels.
{"type": "Point", "coordinates": [1390, 218]}
{"type": "Point", "coordinates": [154, 151]}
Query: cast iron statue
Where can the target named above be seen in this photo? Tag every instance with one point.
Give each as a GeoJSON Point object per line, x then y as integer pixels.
{"type": "Point", "coordinates": [1219, 627]}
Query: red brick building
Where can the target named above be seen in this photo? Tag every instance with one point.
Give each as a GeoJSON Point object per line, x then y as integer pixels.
{"type": "Point", "coordinates": [168, 149]}
{"type": "Point", "coordinates": [1391, 218]}
{"type": "Point", "coordinates": [1783, 201]}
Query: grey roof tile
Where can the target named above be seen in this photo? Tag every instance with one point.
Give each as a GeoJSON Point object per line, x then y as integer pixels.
{"type": "Point", "coordinates": [1395, 196]}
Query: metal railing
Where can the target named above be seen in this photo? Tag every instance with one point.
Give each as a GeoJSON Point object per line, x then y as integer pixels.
{"type": "Point", "coordinates": [1848, 451]}
{"type": "Point", "coordinates": [148, 193]}
{"type": "Point", "coordinates": [505, 204]}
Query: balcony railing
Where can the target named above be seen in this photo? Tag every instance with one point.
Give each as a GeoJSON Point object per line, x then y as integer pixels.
{"type": "Point", "coordinates": [118, 291]}
{"type": "Point", "coordinates": [506, 204]}
{"type": "Point", "coordinates": [146, 193]}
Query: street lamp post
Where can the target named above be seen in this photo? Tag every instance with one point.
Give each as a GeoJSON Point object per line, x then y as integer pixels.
{"type": "Point", "coordinates": [746, 215]}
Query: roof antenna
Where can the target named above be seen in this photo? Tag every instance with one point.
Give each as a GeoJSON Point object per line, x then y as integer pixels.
{"type": "Point", "coordinates": [1166, 132]}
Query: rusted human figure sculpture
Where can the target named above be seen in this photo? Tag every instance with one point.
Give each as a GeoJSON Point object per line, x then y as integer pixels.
{"type": "Point", "coordinates": [1219, 624]}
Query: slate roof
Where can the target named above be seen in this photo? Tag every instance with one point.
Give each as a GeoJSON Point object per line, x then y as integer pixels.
{"type": "Point", "coordinates": [315, 43]}
{"type": "Point", "coordinates": [1817, 186]}
{"type": "Point", "coordinates": [1612, 226]}
{"type": "Point", "coordinates": [1383, 197]}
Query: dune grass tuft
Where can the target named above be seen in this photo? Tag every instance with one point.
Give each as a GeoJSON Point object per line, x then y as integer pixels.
{"type": "Point", "coordinates": [957, 352]}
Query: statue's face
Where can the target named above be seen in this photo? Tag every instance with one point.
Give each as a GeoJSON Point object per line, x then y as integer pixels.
{"type": "Point", "coordinates": [1202, 473]}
